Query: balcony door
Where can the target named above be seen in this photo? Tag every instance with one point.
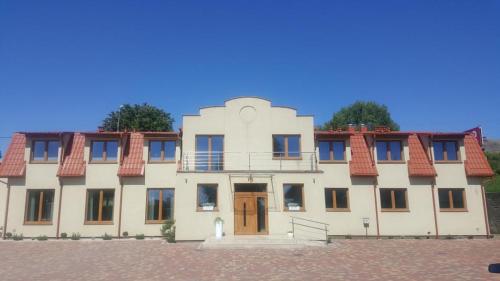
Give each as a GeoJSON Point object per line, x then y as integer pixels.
{"type": "Point", "coordinates": [250, 209]}
{"type": "Point", "coordinates": [209, 153]}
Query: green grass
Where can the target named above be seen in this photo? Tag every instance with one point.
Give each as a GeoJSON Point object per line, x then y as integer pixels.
{"type": "Point", "coordinates": [493, 185]}
{"type": "Point", "coordinates": [494, 160]}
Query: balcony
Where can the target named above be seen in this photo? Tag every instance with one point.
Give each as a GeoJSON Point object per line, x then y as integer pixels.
{"type": "Point", "coordinates": [216, 161]}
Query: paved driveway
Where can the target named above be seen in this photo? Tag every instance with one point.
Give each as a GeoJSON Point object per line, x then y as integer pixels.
{"type": "Point", "coordinates": [342, 260]}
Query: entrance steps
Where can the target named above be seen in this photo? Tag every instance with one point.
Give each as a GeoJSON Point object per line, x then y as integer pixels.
{"type": "Point", "coordinates": [258, 241]}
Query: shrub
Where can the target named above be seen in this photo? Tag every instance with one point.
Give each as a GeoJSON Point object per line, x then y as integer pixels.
{"type": "Point", "coordinates": [75, 236]}
{"type": "Point", "coordinates": [168, 230]}
{"type": "Point", "coordinates": [139, 236]}
{"type": "Point", "coordinates": [17, 237]}
{"type": "Point", "coordinates": [42, 238]}
{"type": "Point", "coordinates": [125, 234]}
{"type": "Point", "coordinates": [64, 235]}
{"type": "Point", "coordinates": [8, 235]}
{"type": "Point", "coordinates": [107, 237]}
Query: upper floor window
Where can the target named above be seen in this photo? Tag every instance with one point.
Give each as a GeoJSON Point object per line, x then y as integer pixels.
{"type": "Point", "coordinates": [286, 146]}
{"type": "Point", "coordinates": [209, 152]}
{"type": "Point", "coordinates": [161, 150]}
{"type": "Point", "coordinates": [293, 197]}
{"type": "Point", "coordinates": [393, 199]}
{"type": "Point", "coordinates": [45, 150]}
{"type": "Point", "coordinates": [451, 199]}
{"type": "Point", "coordinates": [39, 206]}
{"type": "Point", "coordinates": [105, 150]}
{"type": "Point", "coordinates": [331, 150]}
{"type": "Point", "coordinates": [100, 204]}
{"type": "Point", "coordinates": [337, 199]}
{"type": "Point", "coordinates": [389, 151]}
{"type": "Point", "coordinates": [160, 205]}
{"type": "Point", "coordinates": [445, 150]}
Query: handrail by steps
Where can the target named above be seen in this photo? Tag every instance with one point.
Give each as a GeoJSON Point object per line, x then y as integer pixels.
{"type": "Point", "coordinates": [324, 228]}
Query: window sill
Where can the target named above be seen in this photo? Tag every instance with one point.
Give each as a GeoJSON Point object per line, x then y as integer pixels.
{"type": "Point", "coordinates": [37, 223]}
{"type": "Point", "coordinates": [287, 158]}
{"type": "Point", "coordinates": [332, 162]}
{"type": "Point", "coordinates": [448, 162]}
{"type": "Point", "coordinates": [395, 210]}
{"type": "Point", "coordinates": [455, 210]}
{"type": "Point", "coordinates": [294, 211]}
{"type": "Point", "coordinates": [391, 162]}
{"type": "Point", "coordinates": [161, 162]}
{"type": "Point", "coordinates": [43, 162]}
{"type": "Point", "coordinates": [155, 222]}
{"type": "Point", "coordinates": [207, 211]}
{"type": "Point", "coordinates": [103, 162]}
{"type": "Point", "coordinates": [98, 223]}
{"type": "Point", "coordinates": [338, 210]}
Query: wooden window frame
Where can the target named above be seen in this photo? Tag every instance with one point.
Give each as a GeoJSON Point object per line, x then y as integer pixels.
{"type": "Point", "coordinates": [450, 198]}
{"type": "Point", "coordinates": [99, 220]}
{"type": "Point", "coordinates": [162, 153]}
{"type": "Point", "coordinates": [160, 207]}
{"type": "Point", "coordinates": [389, 153]}
{"type": "Point", "coordinates": [209, 155]}
{"type": "Point", "coordinates": [104, 151]}
{"type": "Point", "coordinates": [303, 207]}
{"type": "Point", "coordinates": [393, 200]}
{"type": "Point", "coordinates": [445, 151]}
{"type": "Point", "coordinates": [45, 152]}
{"type": "Point", "coordinates": [331, 151]}
{"type": "Point", "coordinates": [39, 220]}
{"type": "Point", "coordinates": [334, 200]}
{"type": "Point", "coordinates": [286, 156]}
{"type": "Point", "coordinates": [210, 185]}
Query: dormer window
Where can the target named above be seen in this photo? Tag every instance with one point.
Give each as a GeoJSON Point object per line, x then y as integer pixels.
{"type": "Point", "coordinates": [389, 150]}
{"type": "Point", "coordinates": [331, 150]}
{"type": "Point", "coordinates": [161, 150]}
{"type": "Point", "coordinates": [104, 151]}
{"type": "Point", "coordinates": [45, 151]}
{"type": "Point", "coordinates": [445, 151]}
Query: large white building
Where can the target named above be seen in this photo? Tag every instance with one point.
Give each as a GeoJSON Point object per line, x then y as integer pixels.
{"type": "Point", "coordinates": [251, 164]}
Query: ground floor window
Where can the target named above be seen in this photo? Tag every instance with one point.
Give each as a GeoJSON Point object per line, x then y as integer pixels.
{"type": "Point", "coordinates": [39, 206]}
{"type": "Point", "coordinates": [100, 204]}
{"type": "Point", "coordinates": [393, 199]}
{"type": "Point", "coordinates": [452, 199]}
{"type": "Point", "coordinates": [207, 197]}
{"type": "Point", "coordinates": [160, 205]}
{"type": "Point", "coordinates": [293, 197]}
{"type": "Point", "coordinates": [337, 199]}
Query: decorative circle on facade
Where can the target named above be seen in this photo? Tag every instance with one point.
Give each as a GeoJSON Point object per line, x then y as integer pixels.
{"type": "Point", "coordinates": [248, 114]}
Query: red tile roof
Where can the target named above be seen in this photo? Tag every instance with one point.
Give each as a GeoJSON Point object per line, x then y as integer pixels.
{"type": "Point", "coordinates": [361, 163]}
{"type": "Point", "coordinates": [419, 164]}
{"type": "Point", "coordinates": [73, 164]}
{"type": "Point", "coordinates": [14, 164]}
{"type": "Point", "coordinates": [475, 164]}
{"type": "Point", "coordinates": [133, 163]}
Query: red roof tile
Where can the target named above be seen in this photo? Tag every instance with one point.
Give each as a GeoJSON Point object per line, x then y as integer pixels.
{"type": "Point", "coordinates": [133, 163]}
{"type": "Point", "coordinates": [361, 163]}
{"type": "Point", "coordinates": [419, 164]}
{"type": "Point", "coordinates": [14, 164]}
{"type": "Point", "coordinates": [475, 163]}
{"type": "Point", "coordinates": [73, 164]}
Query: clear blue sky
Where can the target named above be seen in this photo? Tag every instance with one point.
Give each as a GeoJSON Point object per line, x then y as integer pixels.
{"type": "Point", "coordinates": [64, 65]}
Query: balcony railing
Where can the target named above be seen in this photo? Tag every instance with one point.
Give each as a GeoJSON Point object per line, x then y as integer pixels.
{"type": "Point", "coordinates": [247, 161]}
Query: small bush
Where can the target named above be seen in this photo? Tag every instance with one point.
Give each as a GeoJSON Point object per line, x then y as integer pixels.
{"type": "Point", "coordinates": [125, 234]}
{"type": "Point", "coordinates": [64, 235]}
{"type": "Point", "coordinates": [75, 236]}
{"type": "Point", "coordinates": [107, 237]}
{"type": "Point", "coordinates": [8, 235]}
{"type": "Point", "coordinates": [168, 231]}
{"type": "Point", "coordinates": [17, 237]}
{"type": "Point", "coordinates": [42, 238]}
{"type": "Point", "coordinates": [139, 236]}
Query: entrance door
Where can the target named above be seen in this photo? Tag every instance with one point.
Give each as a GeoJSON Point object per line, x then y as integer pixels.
{"type": "Point", "coordinates": [250, 213]}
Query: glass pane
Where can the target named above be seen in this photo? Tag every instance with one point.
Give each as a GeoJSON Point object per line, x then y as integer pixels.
{"type": "Point", "coordinates": [48, 204]}
{"type": "Point", "coordinates": [53, 150]}
{"type": "Point", "coordinates": [338, 150]}
{"type": "Point", "coordinates": [293, 146]}
{"type": "Point", "coordinates": [261, 214]}
{"type": "Point", "coordinates": [97, 150]}
{"type": "Point", "coordinates": [438, 151]}
{"type": "Point", "coordinates": [169, 147]}
{"type": "Point", "coordinates": [328, 198]}
{"type": "Point", "coordinates": [451, 150]}
{"type": "Point", "coordinates": [168, 204]}
{"type": "Point", "coordinates": [399, 196]}
{"type": "Point", "coordinates": [458, 199]}
{"type": "Point", "coordinates": [293, 195]}
{"type": "Point", "coordinates": [278, 146]}
{"type": "Point", "coordinates": [217, 162]}
{"type": "Point", "coordinates": [93, 205]}
{"type": "Point", "coordinates": [341, 195]}
{"type": "Point", "coordinates": [324, 150]}
{"type": "Point", "coordinates": [33, 204]}
{"type": "Point", "coordinates": [385, 199]}
{"type": "Point", "coordinates": [153, 212]}
{"type": "Point", "coordinates": [395, 150]}
{"type": "Point", "coordinates": [111, 150]}
{"type": "Point", "coordinates": [39, 150]}
{"type": "Point", "coordinates": [202, 153]}
{"type": "Point", "coordinates": [444, 199]}
{"type": "Point", "coordinates": [107, 205]}
{"type": "Point", "coordinates": [381, 150]}
{"type": "Point", "coordinates": [155, 150]}
{"type": "Point", "coordinates": [207, 196]}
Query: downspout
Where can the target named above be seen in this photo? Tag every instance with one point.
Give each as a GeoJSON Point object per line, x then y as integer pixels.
{"type": "Point", "coordinates": [120, 209]}
{"type": "Point", "coordinates": [59, 208]}
{"type": "Point", "coordinates": [376, 206]}
{"type": "Point", "coordinates": [6, 209]}
{"type": "Point", "coordinates": [433, 188]}
{"type": "Point", "coordinates": [485, 210]}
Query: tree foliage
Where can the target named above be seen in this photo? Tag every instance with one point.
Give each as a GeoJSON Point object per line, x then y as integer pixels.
{"type": "Point", "coordinates": [138, 117]}
{"type": "Point", "coordinates": [493, 185]}
{"type": "Point", "coordinates": [369, 113]}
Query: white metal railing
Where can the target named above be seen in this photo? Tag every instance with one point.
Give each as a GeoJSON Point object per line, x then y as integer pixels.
{"type": "Point", "coordinates": [248, 161]}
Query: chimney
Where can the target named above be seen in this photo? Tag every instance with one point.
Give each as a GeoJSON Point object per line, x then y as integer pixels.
{"type": "Point", "coordinates": [100, 129]}
{"type": "Point", "coordinates": [363, 129]}
{"type": "Point", "coordinates": [351, 128]}
{"type": "Point", "coordinates": [382, 129]}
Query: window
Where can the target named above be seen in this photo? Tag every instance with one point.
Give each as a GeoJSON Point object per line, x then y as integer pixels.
{"type": "Point", "coordinates": [331, 150]}
{"type": "Point", "coordinates": [39, 206]}
{"type": "Point", "coordinates": [161, 151]}
{"type": "Point", "coordinates": [207, 197]}
{"type": "Point", "coordinates": [393, 199]}
{"type": "Point", "coordinates": [45, 150]}
{"type": "Point", "coordinates": [389, 151]}
{"type": "Point", "coordinates": [286, 146]}
{"type": "Point", "coordinates": [337, 199]}
{"type": "Point", "coordinates": [445, 151]}
{"type": "Point", "coordinates": [160, 205]}
{"type": "Point", "coordinates": [210, 153]}
{"type": "Point", "coordinates": [104, 150]}
{"type": "Point", "coordinates": [100, 203]}
{"type": "Point", "coordinates": [293, 197]}
{"type": "Point", "coordinates": [452, 199]}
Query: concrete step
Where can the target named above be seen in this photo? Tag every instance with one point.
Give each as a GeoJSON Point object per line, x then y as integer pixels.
{"type": "Point", "coordinates": [258, 241]}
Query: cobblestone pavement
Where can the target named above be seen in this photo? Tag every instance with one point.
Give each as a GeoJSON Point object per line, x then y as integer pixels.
{"type": "Point", "coordinates": [342, 260]}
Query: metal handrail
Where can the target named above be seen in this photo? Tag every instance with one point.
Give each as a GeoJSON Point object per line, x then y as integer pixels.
{"type": "Point", "coordinates": [325, 228]}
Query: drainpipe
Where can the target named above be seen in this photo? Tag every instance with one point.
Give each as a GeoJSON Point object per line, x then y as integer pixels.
{"type": "Point", "coordinates": [485, 210]}
{"type": "Point", "coordinates": [433, 189]}
{"type": "Point", "coordinates": [59, 208]}
{"type": "Point", "coordinates": [376, 207]}
{"type": "Point", "coordinates": [120, 209]}
{"type": "Point", "coordinates": [6, 210]}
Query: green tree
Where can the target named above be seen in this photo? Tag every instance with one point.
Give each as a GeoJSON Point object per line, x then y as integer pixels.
{"type": "Point", "coordinates": [493, 184]}
{"type": "Point", "coordinates": [369, 113]}
{"type": "Point", "coordinates": [138, 117]}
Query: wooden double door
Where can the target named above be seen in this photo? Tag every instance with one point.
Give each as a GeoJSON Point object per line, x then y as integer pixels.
{"type": "Point", "coordinates": [250, 213]}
